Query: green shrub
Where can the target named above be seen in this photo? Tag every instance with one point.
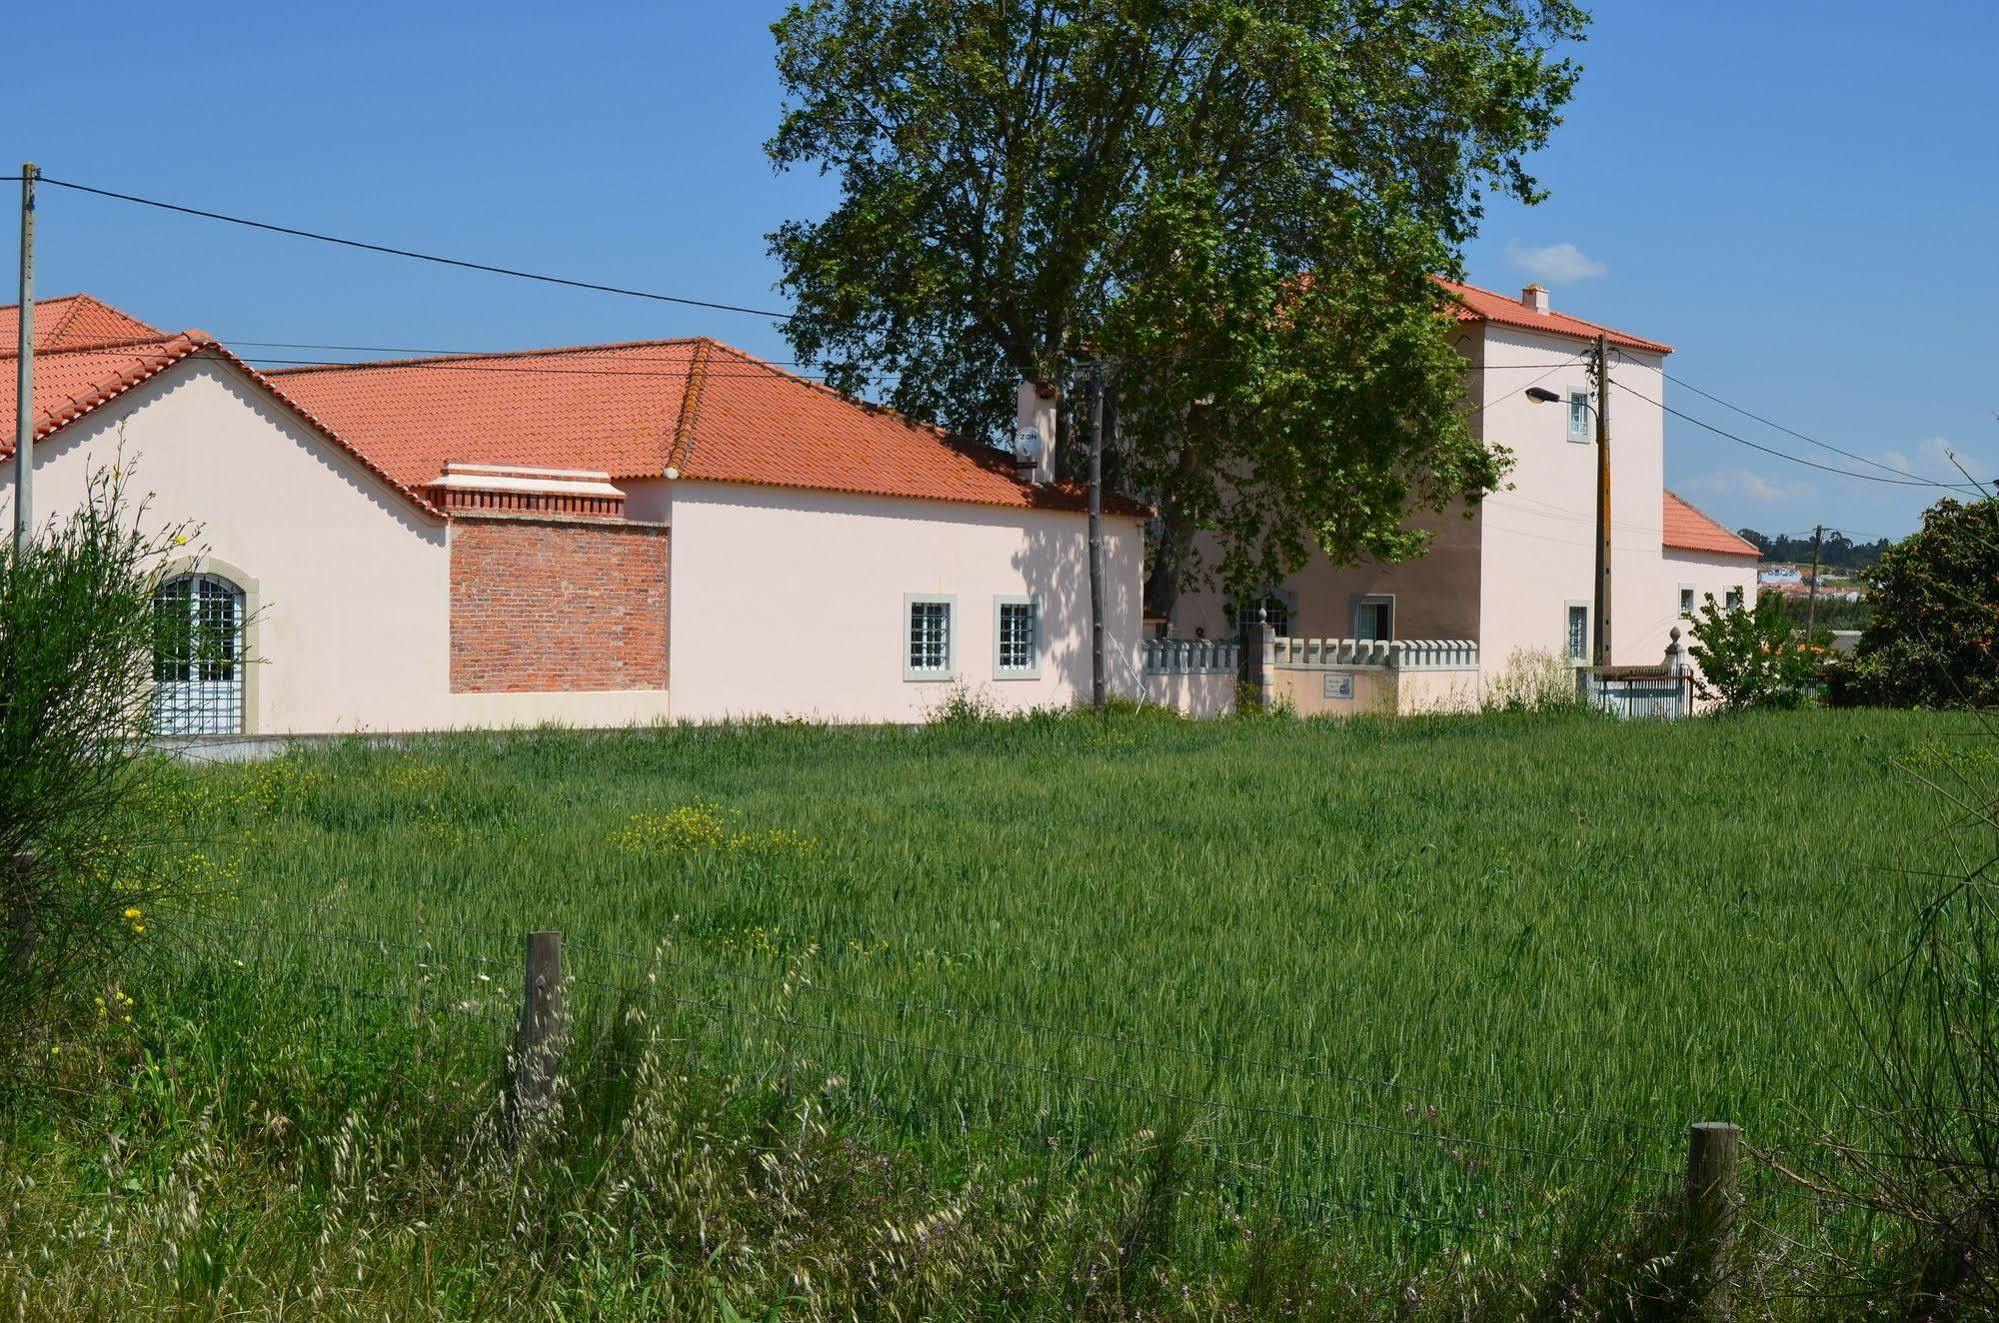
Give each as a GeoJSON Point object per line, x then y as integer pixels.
{"type": "Point", "coordinates": [1934, 638]}
{"type": "Point", "coordinates": [83, 810]}
{"type": "Point", "coordinates": [1751, 658]}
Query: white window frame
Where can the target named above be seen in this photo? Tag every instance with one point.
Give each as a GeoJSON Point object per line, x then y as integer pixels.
{"type": "Point", "coordinates": [1734, 598]}
{"type": "Point", "coordinates": [1365, 600]}
{"type": "Point", "coordinates": [1579, 434]}
{"type": "Point", "coordinates": [213, 698]}
{"type": "Point", "coordinates": [1569, 608]}
{"type": "Point", "coordinates": [919, 675]}
{"type": "Point", "coordinates": [1031, 671]}
{"type": "Point", "coordinates": [1689, 601]}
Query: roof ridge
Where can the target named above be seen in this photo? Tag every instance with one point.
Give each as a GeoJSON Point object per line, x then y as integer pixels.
{"type": "Point", "coordinates": [682, 444]}
{"type": "Point", "coordinates": [103, 346]}
{"type": "Point", "coordinates": [422, 359]}
{"type": "Point", "coordinates": [1525, 315]}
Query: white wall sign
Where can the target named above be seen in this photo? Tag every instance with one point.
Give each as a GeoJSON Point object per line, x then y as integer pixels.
{"type": "Point", "coordinates": [1338, 684]}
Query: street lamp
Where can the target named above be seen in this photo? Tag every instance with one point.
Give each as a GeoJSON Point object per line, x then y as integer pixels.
{"type": "Point", "coordinates": [1542, 395]}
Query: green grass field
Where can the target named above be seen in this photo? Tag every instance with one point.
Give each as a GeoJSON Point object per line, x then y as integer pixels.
{"type": "Point", "coordinates": [1439, 969]}
{"type": "Point", "coordinates": [1436, 983]}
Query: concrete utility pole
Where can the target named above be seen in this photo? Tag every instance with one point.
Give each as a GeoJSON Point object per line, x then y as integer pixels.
{"type": "Point", "coordinates": [1096, 534]}
{"type": "Point", "coordinates": [24, 413]}
{"type": "Point", "coordinates": [1602, 501]}
{"type": "Point", "coordinates": [1812, 594]}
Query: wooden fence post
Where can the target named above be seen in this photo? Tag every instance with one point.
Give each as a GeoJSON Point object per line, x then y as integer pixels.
{"type": "Point", "coordinates": [538, 1046]}
{"type": "Point", "coordinates": [1714, 1161]}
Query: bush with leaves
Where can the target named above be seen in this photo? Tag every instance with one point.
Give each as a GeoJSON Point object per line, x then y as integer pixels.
{"type": "Point", "coordinates": [1751, 658]}
{"type": "Point", "coordinates": [1934, 638]}
{"type": "Point", "coordinates": [81, 823]}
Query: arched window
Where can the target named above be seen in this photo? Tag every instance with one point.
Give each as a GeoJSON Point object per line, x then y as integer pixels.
{"type": "Point", "coordinates": [198, 656]}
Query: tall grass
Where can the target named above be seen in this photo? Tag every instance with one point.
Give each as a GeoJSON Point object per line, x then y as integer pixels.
{"type": "Point", "coordinates": [1451, 984]}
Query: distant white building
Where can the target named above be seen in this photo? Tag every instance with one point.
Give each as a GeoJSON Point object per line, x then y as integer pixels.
{"type": "Point", "coordinates": [1779, 574]}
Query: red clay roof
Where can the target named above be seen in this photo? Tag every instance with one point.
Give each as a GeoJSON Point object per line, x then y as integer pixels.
{"type": "Point", "coordinates": [1687, 529]}
{"type": "Point", "coordinates": [1486, 305]}
{"type": "Point", "coordinates": [72, 321]}
{"type": "Point", "coordinates": [635, 410]}
{"type": "Point", "coordinates": [72, 382]}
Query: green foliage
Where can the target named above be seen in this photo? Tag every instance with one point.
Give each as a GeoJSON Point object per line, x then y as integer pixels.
{"type": "Point", "coordinates": [1239, 203]}
{"type": "Point", "coordinates": [82, 811]}
{"type": "Point", "coordinates": [1836, 550]}
{"type": "Point", "coordinates": [1751, 658]}
{"type": "Point", "coordinates": [1934, 639]}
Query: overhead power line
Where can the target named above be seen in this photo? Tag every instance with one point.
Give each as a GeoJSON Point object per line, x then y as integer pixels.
{"type": "Point", "coordinates": [414, 255]}
{"type": "Point", "coordinates": [1795, 459]}
{"type": "Point", "coordinates": [1823, 445]}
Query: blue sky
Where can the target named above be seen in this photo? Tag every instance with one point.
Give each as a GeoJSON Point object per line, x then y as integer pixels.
{"type": "Point", "coordinates": [1801, 197]}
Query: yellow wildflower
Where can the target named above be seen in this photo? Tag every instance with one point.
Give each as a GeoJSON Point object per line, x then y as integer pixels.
{"type": "Point", "coordinates": [132, 913]}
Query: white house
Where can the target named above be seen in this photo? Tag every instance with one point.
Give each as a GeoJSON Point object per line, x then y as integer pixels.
{"type": "Point", "coordinates": [594, 536]}
{"type": "Point", "coordinates": [1514, 576]}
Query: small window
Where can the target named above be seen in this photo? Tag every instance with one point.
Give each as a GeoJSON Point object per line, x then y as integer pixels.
{"type": "Point", "coordinates": [1686, 601]}
{"type": "Point", "coordinates": [198, 656]}
{"type": "Point", "coordinates": [1578, 640]}
{"type": "Point", "coordinates": [927, 638]}
{"type": "Point", "coordinates": [1733, 600]}
{"type": "Point", "coordinates": [1276, 613]}
{"type": "Point", "coordinates": [1579, 425]}
{"type": "Point", "coordinates": [1374, 618]}
{"type": "Point", "coordinates": [1016, 638]}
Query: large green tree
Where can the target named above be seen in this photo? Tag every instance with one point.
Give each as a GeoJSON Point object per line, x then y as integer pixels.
{"type": "Point", "coordinates": [1239, 202]}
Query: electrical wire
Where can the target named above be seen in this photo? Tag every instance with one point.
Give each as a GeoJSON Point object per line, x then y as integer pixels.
{"type": "Point", "coordinates": [1824, 445]}
{"type": "Point", "coordinates": [414, 255]}
{"type": "Point", "coordinates": [1780, 454]}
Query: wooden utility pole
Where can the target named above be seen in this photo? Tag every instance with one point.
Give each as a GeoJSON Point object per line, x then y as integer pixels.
{"type": "Point", "coordinates": [24, 367]}
{"type": "Point", "coordinates": [1602, 501]}
{"type": "Point", "coordinates": [1812, 593]}
{"type": "Point", "coordinates": [1097, 535]}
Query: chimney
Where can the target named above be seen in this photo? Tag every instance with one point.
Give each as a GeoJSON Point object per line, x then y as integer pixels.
{"type": "Point", "coordinates": [1535, 296]}
{"type": "Point", "coordinates": [1034, 431]}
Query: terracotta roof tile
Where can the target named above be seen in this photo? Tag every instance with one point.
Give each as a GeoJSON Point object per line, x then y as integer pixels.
{"type": "Point", "coordinates": [1687, 529]}
{"type": "Point", "coordinates": [70, 322]}
{"type": "Point", "coordinates": [635, 410]}
{"type": "Point", "coordinates": [1487, 305]}
{"type": "Point", "coordinates": [73, 382]}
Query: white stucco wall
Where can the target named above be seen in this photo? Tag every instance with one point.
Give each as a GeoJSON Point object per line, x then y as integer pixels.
{"type": "Point", "coordinates": [347, 580]}
{"type": "Point", "coordinates": [792, 602]}
{"type": "Point", "coordinates": [1705, 573]}
{"type": "Point", "coordinates": [1540, 530]}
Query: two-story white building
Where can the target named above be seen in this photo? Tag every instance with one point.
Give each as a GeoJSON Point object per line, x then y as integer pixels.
{"type": "Point", "coordinates": [1514, 575]}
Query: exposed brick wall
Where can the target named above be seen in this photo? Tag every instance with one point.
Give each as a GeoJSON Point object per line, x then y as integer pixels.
{"type": "Point", "coordinates": [541, 605]}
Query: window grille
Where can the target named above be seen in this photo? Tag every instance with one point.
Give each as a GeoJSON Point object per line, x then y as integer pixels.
{"type": "Point", "coordinates": [1579, 428]}
{"type": "Point", "coordinates": [929, 637]}
{"type": "Point", "coordinates": [1578, 633]}
{"type": "Point", "coordinates": [198, 656]}
{"type": "Point", "coordinates": [1018, 626]}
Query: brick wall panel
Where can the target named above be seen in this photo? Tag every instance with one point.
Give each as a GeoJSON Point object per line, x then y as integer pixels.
{"type": "Point", "coordinates": [557, 606]}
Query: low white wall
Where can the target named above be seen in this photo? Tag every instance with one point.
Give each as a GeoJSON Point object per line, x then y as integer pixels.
{"type": "Point", "coordinates": [792, 603]}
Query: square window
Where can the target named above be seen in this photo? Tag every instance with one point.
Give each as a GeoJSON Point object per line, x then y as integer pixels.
{"type": "Point", "coordinates": [1733, 601]}
{"type": "Point", "coordinates": [927, 638]}
{"type": "Point", "coordinates": [1579, 421]}
{"type": "Point", "coordinates": [1374, 618]}
{"type": "Point", "coordinates": [1016, 637]}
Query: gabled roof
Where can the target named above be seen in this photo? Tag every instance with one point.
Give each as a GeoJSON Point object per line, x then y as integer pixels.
{"type": "Point", "coordinates": [1687, 529]}
{"type": "Point", "coordinates": [73, 382]}
{"type": "Point", "coordinates": [636, 410]}
{"type": "Point", "coordinates": [72, 321]}
{"type": "Point", "coordinates": [1488, 306]}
